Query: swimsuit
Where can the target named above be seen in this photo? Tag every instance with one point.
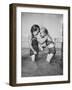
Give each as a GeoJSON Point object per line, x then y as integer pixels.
{"type": "Point", "coordinates": [34, 45]}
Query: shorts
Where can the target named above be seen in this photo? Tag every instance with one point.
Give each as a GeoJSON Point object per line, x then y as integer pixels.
{"type": "Point", "coordinates": [52, 50]}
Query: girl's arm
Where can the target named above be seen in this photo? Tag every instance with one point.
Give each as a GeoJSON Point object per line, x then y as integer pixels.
{"type": "Point", "coordinates": [42, 40]}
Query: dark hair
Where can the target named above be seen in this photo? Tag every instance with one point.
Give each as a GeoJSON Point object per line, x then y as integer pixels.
{"type": "Point", "coordinates": [35, 28]}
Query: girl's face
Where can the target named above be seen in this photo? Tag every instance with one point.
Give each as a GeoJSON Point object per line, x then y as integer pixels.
{"type": "Point", "coordinates": [42, 32]}
{"type": "Point", "coordinates": [36, 32]}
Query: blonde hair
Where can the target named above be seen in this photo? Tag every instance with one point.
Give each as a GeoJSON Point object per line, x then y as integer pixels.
{"type": "Point", "coordinates": [45, 30]}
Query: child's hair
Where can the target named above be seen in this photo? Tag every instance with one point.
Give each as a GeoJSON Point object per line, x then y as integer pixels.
{"type": "Point", "coordinates": [45, 30]}
{"type": "Point", "coordinates": [35, 28]}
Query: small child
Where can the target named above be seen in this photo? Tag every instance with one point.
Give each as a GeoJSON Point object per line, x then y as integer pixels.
{"type": "Point", "coordinates": [49, 44]}
{"type": "Point", "coordinates": [34, 50]}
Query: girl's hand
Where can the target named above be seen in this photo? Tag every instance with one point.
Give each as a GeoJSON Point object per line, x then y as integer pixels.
{"type": "Point", "coordinates": [40, 47]}
{"type": "Point", "coordinates": [35, 52]}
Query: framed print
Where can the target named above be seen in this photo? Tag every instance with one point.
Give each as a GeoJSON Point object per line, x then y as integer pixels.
{"type": "Point", "coordinates": [39, 44]}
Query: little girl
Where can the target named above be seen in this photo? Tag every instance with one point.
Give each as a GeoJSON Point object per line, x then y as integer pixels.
{"type": "Point", "coordinates": [48, 43]}
{"type": "Point", "coordinates": [34, 50]}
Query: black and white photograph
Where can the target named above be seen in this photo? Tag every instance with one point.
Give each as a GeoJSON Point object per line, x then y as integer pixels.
{"type": "Point", "coordinates": [40, 44]}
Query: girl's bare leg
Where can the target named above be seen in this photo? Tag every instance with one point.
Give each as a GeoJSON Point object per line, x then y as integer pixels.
{"type": "Point", "coordinates": [49, 57]}
{"type": "Point", "coordinates": [33, 58]}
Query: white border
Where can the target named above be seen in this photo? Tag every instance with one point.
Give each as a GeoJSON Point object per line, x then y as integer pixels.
{"type": "Point", "coordinates": [63, 77]}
